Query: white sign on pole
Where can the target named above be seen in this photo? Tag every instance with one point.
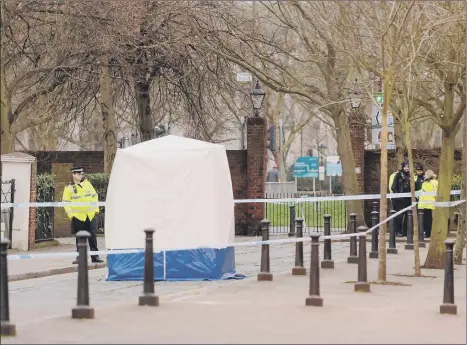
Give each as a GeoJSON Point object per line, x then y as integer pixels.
{"type": "Point", "coordinates": [244, 77]}
{"type": "Point", "coordinates": [333, 166]}
{"type": "Point", "coordinates": [321, 173]}
{"type": "Point", "coordinates": [377, 128]}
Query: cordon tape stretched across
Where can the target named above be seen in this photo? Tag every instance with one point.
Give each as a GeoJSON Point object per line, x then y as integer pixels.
{"type": "Point", "coordinates": [237, 244]}
{"type": "Point", "coordinates": [240, 201]}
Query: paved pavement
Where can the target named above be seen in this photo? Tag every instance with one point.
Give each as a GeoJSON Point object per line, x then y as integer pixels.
{"type": "Point", "coordinates": [247, 311]}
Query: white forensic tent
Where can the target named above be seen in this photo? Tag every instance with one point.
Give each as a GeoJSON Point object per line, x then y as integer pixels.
{"type": "Point", "coordinates": [180, 187]}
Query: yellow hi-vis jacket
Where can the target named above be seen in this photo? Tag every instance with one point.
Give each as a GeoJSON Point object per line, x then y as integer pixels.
{"type": "Point", "coordinates": [81, 192]}
{"type": "Point", "coordinates": [391, 180]}
{"type": "Point", "coordinates": [425, 201]}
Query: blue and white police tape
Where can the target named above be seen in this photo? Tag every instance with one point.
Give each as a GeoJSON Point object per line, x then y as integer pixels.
{"type": "Point", "coordinates": [239, 201]}
{"type": "Point", "coordinates": [236, 244]}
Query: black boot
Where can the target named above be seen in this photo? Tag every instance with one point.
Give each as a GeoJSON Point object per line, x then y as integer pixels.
{"type": "Point", "coordinates": [97, 260]}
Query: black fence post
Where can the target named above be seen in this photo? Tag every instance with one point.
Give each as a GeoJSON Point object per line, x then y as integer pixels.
{"type": "Point", "coordinates": [421, 230]}
{"type": "Point", "coordinates": [392, 235]}
{"type": "Point", "coordinates": [149, 298]}
{"type": "Point", "coordinates": [299, 269]}
{"type": "Point", "coordinates": [327, 261]}
{"type": "Point", "coordinates": [7, 328]}
{"type": "Point", "coordinates": [448, 306]}
{"type": "Point", "coordinates": [362, 284]}
{"type": "Point", "coordinates": [374, 235]}
{"type": "Point", "coordinates": [265, 274]}
{"type": "Point", "coordinates": [314, 299]}
{"type": "Point", "coordinates": [292, 220]}
{"type": "Point", "coordinates": [409, 244]}
{"type": "Point", "coordinates": [82, 309]}
{"type": "Point", "coordinates": [353, 257]}
{"type": "Point", "coordinates": [375, 206]}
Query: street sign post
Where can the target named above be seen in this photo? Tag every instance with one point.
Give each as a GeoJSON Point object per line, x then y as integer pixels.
{"type": "Point", "coordinates": [306, 166]}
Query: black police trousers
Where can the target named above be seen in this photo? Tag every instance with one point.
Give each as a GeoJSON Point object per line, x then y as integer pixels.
{"type": "Point", "coordinates": [89, 226]}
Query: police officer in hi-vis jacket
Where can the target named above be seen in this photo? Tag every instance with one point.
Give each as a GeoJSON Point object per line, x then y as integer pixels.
{"type": "Point", "coordinates": [82, 217]}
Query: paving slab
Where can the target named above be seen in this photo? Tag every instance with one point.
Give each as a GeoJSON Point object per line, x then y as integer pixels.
{"type": "Point", "coordinates": [247, 311]}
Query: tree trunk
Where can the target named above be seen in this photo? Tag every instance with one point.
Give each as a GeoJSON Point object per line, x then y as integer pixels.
{"type": "Point", "coordinates": [418, 272]}
{"type": "Point", "coordinates": [108, 115]}
{"type": "Point", "coordinates": [436, 252]}
{"type": "Point", "coordinates": [143, 101]}
{"type": "Point", "coordinates": [399, 136]}
{"type": "Point", "coordinates": [383, 205]}
{"type": "Point", "coordinates": [460, 239]}
{"type": "Point", "coordinates": [7, 139]}
{"type": "Point", "coordinates": [349, 175]}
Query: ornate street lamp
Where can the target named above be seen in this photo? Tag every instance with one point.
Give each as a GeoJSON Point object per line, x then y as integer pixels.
{"type": "Point", "coordinates": [355, 97]}
{"type": "Point", "coordinates": [257, 97]}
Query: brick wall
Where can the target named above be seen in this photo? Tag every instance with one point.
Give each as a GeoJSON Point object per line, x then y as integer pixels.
{"type": "Point", "coordinates": [428, 157]}
{"type": "Point", "coordinates": [238, 171]}
{"type": "Point", "coordinates": [91, 161]}
{"type": "Point", "coordinates": [256, 165]}
{"type": "Point", "coordinates": [62, 225]}
{"type": "Point", "coordinates": [247, 169]}
{"type": "Point", "coordinates": [32, 210]}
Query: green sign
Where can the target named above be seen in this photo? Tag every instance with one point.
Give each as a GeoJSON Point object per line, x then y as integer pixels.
{"type": "Point", "coordinates": [379, 97]}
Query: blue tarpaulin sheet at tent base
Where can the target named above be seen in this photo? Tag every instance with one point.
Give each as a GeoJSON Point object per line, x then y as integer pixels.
{"type": "Point", "coordinates": [180, 265]}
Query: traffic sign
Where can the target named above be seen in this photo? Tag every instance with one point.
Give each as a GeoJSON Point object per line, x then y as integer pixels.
{"type": "Point", "coordinates": [333, 166]}
{"type": "Point", "coordinates": [306, 166]}
{"type": "Point", "coordinates": [379, 97]}
{"type": "Point", "coordinates": [244, 77]}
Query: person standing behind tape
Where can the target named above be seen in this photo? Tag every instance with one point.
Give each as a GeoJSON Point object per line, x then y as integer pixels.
{"type": "Point", "coordinates": [273, 174]}
{"type": "Point", "coordinates": [401, 184]}
{"type": "Point", "coordinates": [419, 177]}
{"type": "Point", "coordinates": [427, 203]}
{"type": "Point", "coordinates": [82, 217]}
{"type": "Point", "coordinates": [391, 181]}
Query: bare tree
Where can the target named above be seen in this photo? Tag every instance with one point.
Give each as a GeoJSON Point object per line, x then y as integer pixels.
{"type": "Point", "coordinates": [442, 94]}
{"type": "Point", "coordinates": [316, 71]}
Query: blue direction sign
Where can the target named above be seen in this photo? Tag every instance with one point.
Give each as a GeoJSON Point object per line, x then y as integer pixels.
{"type": "Point", "coordinates": [306, 166]}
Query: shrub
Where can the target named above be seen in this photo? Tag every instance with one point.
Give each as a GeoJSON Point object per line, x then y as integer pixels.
{"type": "Point", "coordinates": [45, 192]}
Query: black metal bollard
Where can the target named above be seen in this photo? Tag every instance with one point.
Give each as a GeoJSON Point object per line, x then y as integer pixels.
{"type": "Point", "coordinates": [448, 306]}
{"type": "Point", "coordinates": [7, 328]}
{"type": "Point", "coordinates": [327, 261]}
{"type": "Point", "coordinates": [314, 299]}
{"type": "Point", "coordinates": [292, 221]}
{"type": "Point", "coordinates": [353, 257]}
{"type": "Point", "coordinates": [149, 298]}
{"type": "Point", "coordinates": [299, 269]}
{"type": "Point", "coordinates": [82, 309]}
{"type": "Point", "coordinates": [409, 244]}
{"type": "Point", "coordinates": [421, 230]}
{"type": "Point", "coordinates": [362, 284]}
{"type": "Point", "coordinates": [392, 235]}
{"type": "Point", "coordinates": [265, 275]}
{"type": "Point", "coordinates": [374, 235]}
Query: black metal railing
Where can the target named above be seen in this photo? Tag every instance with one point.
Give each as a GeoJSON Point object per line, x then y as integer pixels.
{"type": "Point", "coordinates": [311, 211]}
{"type": "Point", "coordinates": [45, 192]}
{"type": "Point", "coordinates": [7, 215]}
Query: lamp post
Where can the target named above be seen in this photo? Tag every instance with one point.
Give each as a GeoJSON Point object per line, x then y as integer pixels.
{"type": "Point", "coordinates": [355, 97]}
{"type": "Point", "coordinates": [257, 97]}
